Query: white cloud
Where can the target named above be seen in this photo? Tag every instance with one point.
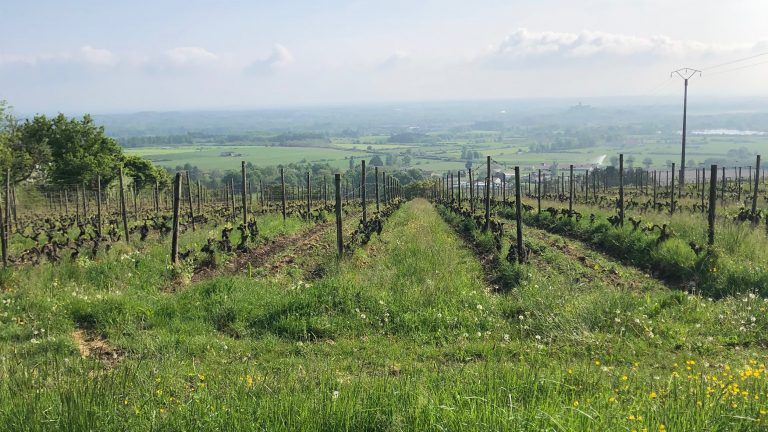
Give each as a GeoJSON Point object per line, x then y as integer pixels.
{"type": "Point", "coordinates": [189, 56]}
{"type": "Point", "coordinates": [97, 56]}
{"type": "Point", "coordinates": [396, 59]}
{"type": "Point", "coordinates": [523, 45]}
{"type": "Point", "coordinates": [86, 55]}
{"type": "Point", "coordinates": [280, 56]}
{"type": "Point", "coordinates": [278, 59]}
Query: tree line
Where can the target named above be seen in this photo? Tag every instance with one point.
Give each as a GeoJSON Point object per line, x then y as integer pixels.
{"type": "Point", "coordinates": [63, 151]}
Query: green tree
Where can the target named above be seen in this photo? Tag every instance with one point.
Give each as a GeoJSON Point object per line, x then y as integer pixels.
{"type": "Point", "coordinates": [376, 161]}
{"type": "Point", "coordinates": [553, 169]}
{"type": "Point", "coordinates": [8, 134]}
{"type": "Point", "coordinates": [80, 151]}
{"type": "Point", "coordinates": [630, 161]}
{"type": "Point", "coordinates": [647, 162]}
{"type": "Point", "coordinates": [24, 149]}
{"type": "Point", "coordinates": [144, 173]}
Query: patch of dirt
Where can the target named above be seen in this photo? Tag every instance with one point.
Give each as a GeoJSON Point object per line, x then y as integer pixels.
{"type": "Point", "coordinates": [609, 274]}
{"type": "Point", "coordinates": [258, 256]}
{"type": "Point", "coordinates": [96, 347]}
{"type": "Point", "coordinates": [309, 244]}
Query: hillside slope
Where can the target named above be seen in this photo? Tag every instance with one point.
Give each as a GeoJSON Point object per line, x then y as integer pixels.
{"type": "Point", "coordinates": [406, 334]}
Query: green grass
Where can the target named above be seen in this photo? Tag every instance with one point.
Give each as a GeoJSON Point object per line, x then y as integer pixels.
{"type": "Point", "coordinates": [735, 264]}
{"type": "Point", "coordinates": [404, 335]}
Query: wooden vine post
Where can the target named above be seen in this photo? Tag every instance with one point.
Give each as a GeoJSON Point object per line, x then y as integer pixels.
{"type": "Point", "coordinates": [586, 186]}
{"type": "Point", "coordinates": [672, 192]}
{"type": "Point", "coordinates": [135, 202]}
{"type": "Point", "coordinates": [243, 194]}
{"type": "Point", "coordinates": [384, 180]}
{"type": "Point", "coordinates": [471, 192]}
{"type": "Point", "coordinates": [562, 183]}
{"type": "Point", "coordinates": [77, 207]}
{"type": "Point", "coordinates": [376, 175]}
{"type": "Point", "coordinates": [754, 195]}
{"type": "Point", "coordinates": [325, 190]}
{"type": "Point", "coordinates": [157, 196]}
{"type": "Point", "coordinates": [98, 206]}
{"type": "Point", "coordinates": [261, 193]}
{"type": "Point", "coordinates": [529, 184]}
{"type": "Point", "coordinates": [309, 195]}
{"type": "Point", "coordinates": [282, 188]}
{"type": "Point", "coordinates": [362, 189]}
{"type": "Point", "coordinates": [504, 187]}
{"type": "Point", "coordinates": [189, 201]}
{"type": "Point", "coordinates": [175, 234]}
{"type": "Point", "coordinates": [621, 189]}
{"type": "Point", "coordinates": [458, 180]}
{"type": "Point", "coordinates": [722, 191]}
{"type": "Point", "coordinates": [487, 194]}
{"type": "Point", "coordinates": [712, 203]}
{"type": "Point", "coordinates": [339, 238]}
{"type": "Point", "coordinates": [519, 222]}
{"type": "Point", "coordinates": [85, 205]}
{"type": "Point", "coordinates": [122, 206]}
{"type": "Point", "coordinates": [538, 192]}
{"type": "Point", "coordinates": [703, 187]}
{"type": "Point", "coordinates": [3, 227]}
{"type": "Point", "coordinates": [8, 224]}
{"type": "Point", "coordinates": [199, 209]}
{"type": "Point", "coordinates": [570, 192]}
{"type": "Point", "coordinates": [232, 197]}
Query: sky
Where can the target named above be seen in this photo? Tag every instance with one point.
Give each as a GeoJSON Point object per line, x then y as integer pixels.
{"type": "Point", "coordinates": [110, 56]}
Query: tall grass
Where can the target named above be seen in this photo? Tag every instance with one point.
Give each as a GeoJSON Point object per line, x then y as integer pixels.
{"type": "Point", "coordinates": [403, 335]}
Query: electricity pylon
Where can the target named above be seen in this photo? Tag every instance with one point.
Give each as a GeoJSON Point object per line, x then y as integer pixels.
{"type": "Point", "coordinates": [685, 74]}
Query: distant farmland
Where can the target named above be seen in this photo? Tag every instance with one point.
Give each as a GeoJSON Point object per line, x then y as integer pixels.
{"type": "Point", "coordinates": [210, 157]}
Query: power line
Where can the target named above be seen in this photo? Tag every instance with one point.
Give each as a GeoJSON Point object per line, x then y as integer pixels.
{"type": "Point", "coordinates": [735, 61]}
{"type": "Point", "coordinates": [739, 68]}
{"type": "Point", "coordinates": [657, 88]}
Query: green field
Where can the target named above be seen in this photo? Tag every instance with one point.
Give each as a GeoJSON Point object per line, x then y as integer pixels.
{"type": "Point", "coordinates": [446, 156]}
{"type": "Point", "coordinates": [658, 150]}
{"type": "Point", "coordinates": [209, 157]}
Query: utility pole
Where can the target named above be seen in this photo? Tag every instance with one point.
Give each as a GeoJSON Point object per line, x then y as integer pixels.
{"type": "Point", "coordinates": [685, 74]}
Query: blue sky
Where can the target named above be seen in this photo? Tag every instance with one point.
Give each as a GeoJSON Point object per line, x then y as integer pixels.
{"type": "Point", "coordinates": [110, 56]}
